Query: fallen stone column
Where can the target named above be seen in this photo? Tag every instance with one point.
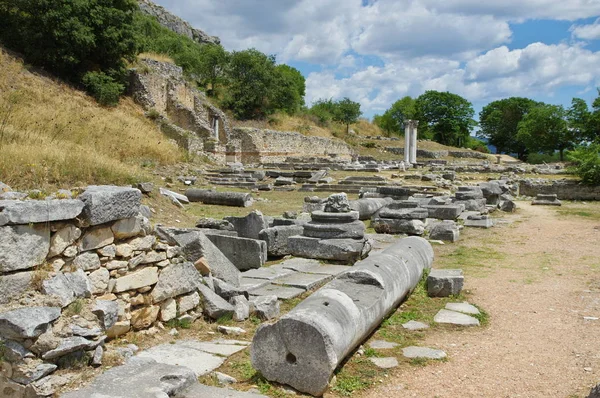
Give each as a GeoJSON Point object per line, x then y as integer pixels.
{"type": "Point", "coordinates": [305, 346]}
{"type": "Point", "coordinates": [367, 207]}
{"type": "Point", "coordinates": [237, 199]}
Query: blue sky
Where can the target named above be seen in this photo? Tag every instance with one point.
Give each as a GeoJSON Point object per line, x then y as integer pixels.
{"type": "Point", "coordinates": [377, 51]}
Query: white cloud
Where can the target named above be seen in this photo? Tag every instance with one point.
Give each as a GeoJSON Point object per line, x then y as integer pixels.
{"type": "Point", "coordinates": [586, 32]}
{"type": "Point", "coordinates": [535, 70]}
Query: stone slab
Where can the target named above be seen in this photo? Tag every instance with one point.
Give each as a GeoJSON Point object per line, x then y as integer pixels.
{"type": "Point", "coordinates": [138, 378]}
{"type": "Point", "coordinates": [178, 354]}
{"type": "Point", "coordinates": [328, 269]}
{"type": "Point", "coordinates": [382, 345]}
{"type": "Point", "coordinates": [282, 292]}
{"type": "Point", "coordinates": [23, 246]}
{"type": "Point", "coordinates": [268, 273]}
{"type": "Point", "coordinates": [415, 325]}
{"type": "Point", "coordinates": [27, 322]}
{"type": "Point", "coordinates": [347, 250]}
{"type": "Point", "coordinates": [303, 281]}
{"type": "Point", "coordinates": [423, 352]}
{"type": "Point", "coordinates": [222, 347]}
{"type": "Point", "coordinates": [248, 284]}
{"type": "Point", "coordinates": [385, 363]}
{"type": "Point", "coordinates": [455, 318]}
{"type": "Point", "coordinates": [202, 391]}
{"type": "Point", "coordinates": [465, 308]}
{"type": "Point", "coordinates": [300, 264]}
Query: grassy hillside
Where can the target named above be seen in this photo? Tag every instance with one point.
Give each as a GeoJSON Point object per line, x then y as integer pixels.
{"type": "Point", "coordinates": [54, 135]}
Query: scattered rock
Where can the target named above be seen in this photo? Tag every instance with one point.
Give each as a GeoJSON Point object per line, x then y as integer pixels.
{"type": "Point", "coordinates": [414, 325]}
{"type": "Point", "coordinates": [228, 330]}
{"type": "Point", "coordinates": [423, 352]}
{"type": "Point", "coordinates": [385, 363]}
{"type": "Point", "coordinates": [465, 308]}
{"type": "Point", "coordinates": [455, 318]}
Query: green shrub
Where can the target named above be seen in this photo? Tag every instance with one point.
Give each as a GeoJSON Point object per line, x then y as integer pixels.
{"type": "Point", "coordinates": [587, 163]}
{"type": "Point", "coordinates": [103, 88]}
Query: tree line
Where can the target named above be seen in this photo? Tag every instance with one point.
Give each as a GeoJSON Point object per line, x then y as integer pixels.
{"type": "Point", "coordinates": [91, 42]}
{"type": "Point", "coordinates": [513, 125]}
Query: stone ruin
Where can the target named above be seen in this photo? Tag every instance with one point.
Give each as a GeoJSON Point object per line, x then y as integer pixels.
{"type": "Point", "coordinates": [98, 254]}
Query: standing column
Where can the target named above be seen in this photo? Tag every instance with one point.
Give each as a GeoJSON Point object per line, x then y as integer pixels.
{"type": "Point", "coordinates": [407, 141]}
{"type": "Point", "coordinates": [216, 129]}
{"type": "Point", "coordinates": [413, 141]}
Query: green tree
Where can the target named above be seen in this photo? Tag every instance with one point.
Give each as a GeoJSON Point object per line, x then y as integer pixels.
{"type": "Point", "coordinates": [323, 110]}
{"type": "Point", "coordinates": [251, 76]}
{"type": "Point", "coordinates": [499, 121]}
{"type": "Point", "coordinates": [587, 163]}
{"type": "Point", "coordinates": [71, 37]}
{"type": "Point", "coordinates": [446, 117]}
{"type": "Point", "coordinates": [593, 126]}
{"type": "Point", "coordinates": [211, 67]}
{"type": "Point", "coordinates": [545, 129]}
{"type": "Point", "coordinates": [290, 88]}
{"type": "Point", "coordinates": [578, 119]}
{"type": "Point", "coordinates": [347, 112]}
{"type": "Point", "coordinates": [392, 120]}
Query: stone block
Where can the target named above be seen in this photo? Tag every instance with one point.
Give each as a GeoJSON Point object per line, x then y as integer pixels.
{"type": "Point", "coordinates": [95, 238]}
{"type": "Point", "coordinates": [213, 305]}
{"type": "Point", "coordinates": [16, 212]}
{"type": "Point", "coordinates": [249, 226]}
{"type": "Point", "coordinates": [128, 227]}
{"type": "Point", "coordinates": [481, 221]}
{"type": "Point", "coordinates": [198, 361]}
{"type": "Point", "coordinates": [23, 246]}
{"type": "Point", "coordinates": [244, 253]}
{"type": "Point", "coordinates": [107, 312]}
{"type": "Point", "coordinates": [447, 212]}
{"type": "Point", "coordinates": [188, 302]}
{"type": "Point", "coordinates": [62, 239]}
{"type": "Point", "coordinates": [323, 217]}
{"type": "Point", "coordinates": [12, 286]}
{"type": "Point", "coordinates": [144, 317]}
{"type": "Point", "coordinates": [398, 226]}
{"type": "Point", "coordinates": [265, 307]}
{"type": "Point", "coordinates": [241, 308]}
{"type": "Point", "coordinates": [108, 203]}
{"type": "Point", "coordinates": [546, 200]}
{"type": "Point", "coordinates": [168, 310]}
{"type": "Point", "coordinates": [175, 280]}
{"type": "Point", "coordinates": [347, 250]}
{"type": "Point", "coordinates": [416, 213]}
{"type": "Point", "coordinates": [471, 204]}
{"type": "Point", "coordinates": [455, 318]}
{"type": "Point", "coordinates": [88, 261]}
{"type": "Point", "coordinates": [145, 277]}
{"type": "Point", "coordinates": [196, 245]}
{"type": "Point", "coordinates": [446, 231]}
{"type": "Point", "coordinates": [444, 282]}
{"type": "Point", "coordinates": [351, 230]}
{"type": "Point", "coordinates": [27, 322]}
{"type": "Point", "coordinates": [281, 292]}
{"type": "Point", "coordinates": [68, 286]}
{"type": "Point", "coordinates": [277, 238]}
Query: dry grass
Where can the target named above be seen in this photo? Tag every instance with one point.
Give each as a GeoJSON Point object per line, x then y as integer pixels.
{"type": "Point", "coordinates": [156, 57]}
{"type": "Point", "coordinates": [54, 135]}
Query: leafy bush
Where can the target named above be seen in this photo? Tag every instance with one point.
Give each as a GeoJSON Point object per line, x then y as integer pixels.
{"type": "Point", "coordinates": [103, 88]}
{"type": "Point", "coordinates": [587, 163]}
{"type": "Point", "coordinates": [477, 145]}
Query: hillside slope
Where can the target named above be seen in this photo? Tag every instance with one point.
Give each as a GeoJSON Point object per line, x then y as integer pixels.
{"type": "Point", "coordinates": [54, 135]}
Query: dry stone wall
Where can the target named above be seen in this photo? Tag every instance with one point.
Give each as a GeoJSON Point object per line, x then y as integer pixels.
{"type": "Point", "coordinates": [75, 272]}
{"type": "Point", "coordinates": [269, 146]}
{"type": "Point", "coordinates": [563, 189]}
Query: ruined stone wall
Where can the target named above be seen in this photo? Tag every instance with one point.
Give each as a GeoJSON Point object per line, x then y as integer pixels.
{"type": "Point", "coordinates": [186, 112]}
{"type": "Point", "coordinates": [74, 272]}
{"type": "Point", "coordinates": [423, 153]}
{"type": "Point", "coordinates": [269, 146]}
{"type": "Point", "coordinates": [564, 189]}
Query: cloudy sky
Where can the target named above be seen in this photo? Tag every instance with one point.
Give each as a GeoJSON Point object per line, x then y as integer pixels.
{"type": "Point", "coordinates": [377, 51]}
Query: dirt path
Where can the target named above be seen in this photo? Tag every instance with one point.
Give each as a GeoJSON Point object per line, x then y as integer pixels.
{"type": "Point", "coordinates": [537, 343]}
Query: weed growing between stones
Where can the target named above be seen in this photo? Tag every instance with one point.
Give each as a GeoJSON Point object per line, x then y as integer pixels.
{"type": "Point", "coordinates": [179, 323]}
{"type": "Point", "coordinates": [75, 307]}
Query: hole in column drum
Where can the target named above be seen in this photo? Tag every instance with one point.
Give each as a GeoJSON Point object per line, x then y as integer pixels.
{"type": "Point", "coordinates": [326, 303]}
{"type": "Point", "coordinates": [290, 358]}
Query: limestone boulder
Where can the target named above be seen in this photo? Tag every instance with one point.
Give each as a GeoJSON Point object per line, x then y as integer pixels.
{"type": "Point", "coordinates": [139, 279]}
{"type": "Point", "coordinates": [96, 238]}
{"type": "Point", "coordinates": [62, 239]}
{"type": "Point", "coordinates": [68, 286]}
{"type": "Point", "coordinates": [23, 246]}
{"type": "Point", "coordinates": [12, 286]}
{"type": "Point", "coordinates": [175, 280]}
{"type": "Point", "coordinates": [28, 322]}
